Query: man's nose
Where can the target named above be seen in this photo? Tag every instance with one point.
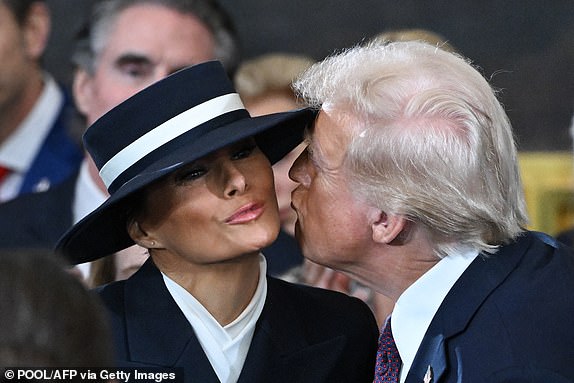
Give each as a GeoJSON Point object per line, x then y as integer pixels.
{"type": "Point", "coordinates": [298, 172]}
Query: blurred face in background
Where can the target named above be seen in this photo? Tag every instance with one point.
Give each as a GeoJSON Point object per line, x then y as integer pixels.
{"type": "Point", "coordinates": [146, 43]}
{"type": "Point", "coordinates": [21, 46]}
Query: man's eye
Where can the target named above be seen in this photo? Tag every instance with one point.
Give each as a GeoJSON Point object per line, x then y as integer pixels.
{"type": "Point", "coordinates": [135, 70]}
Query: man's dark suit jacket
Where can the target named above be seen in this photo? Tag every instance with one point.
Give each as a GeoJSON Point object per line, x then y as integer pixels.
{"type": "Point", "coordinates": [509, 318]}
{"type": "Point", "coordinates": [566, 237]}
{"type": "Point", "coordinates": [304, 334]}
{"type": "Point", "coordinates": [37, 220]}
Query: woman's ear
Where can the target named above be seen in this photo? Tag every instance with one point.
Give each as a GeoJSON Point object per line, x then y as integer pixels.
{"type": "Point", "coordinates": [140, 236]}
{"type": "Point", "coordinates": [387, 228]}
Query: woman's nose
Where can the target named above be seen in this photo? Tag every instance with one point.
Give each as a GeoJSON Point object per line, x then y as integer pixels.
{"type": "Point", "coordinates": [234, 180]}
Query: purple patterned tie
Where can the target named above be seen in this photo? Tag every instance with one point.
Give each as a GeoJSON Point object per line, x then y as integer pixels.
{"type": "Point", "coordinates": [388, 358]}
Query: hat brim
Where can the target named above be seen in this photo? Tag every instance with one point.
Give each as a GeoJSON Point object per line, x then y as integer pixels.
{"type": "Point", "coordinates": [104, 230]}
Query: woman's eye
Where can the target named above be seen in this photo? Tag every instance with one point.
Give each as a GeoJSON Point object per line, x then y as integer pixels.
{"type": "Point", "coordinates": [191, 174]}
{"type": "Point", "coordinates": [244, 152]}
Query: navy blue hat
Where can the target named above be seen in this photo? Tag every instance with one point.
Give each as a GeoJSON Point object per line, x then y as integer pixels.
{"type": "Point", "coordinates": [169, 124]}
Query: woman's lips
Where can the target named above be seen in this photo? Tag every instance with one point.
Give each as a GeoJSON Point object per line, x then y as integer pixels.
{"type": "Point", "coordinates": [245, 214]}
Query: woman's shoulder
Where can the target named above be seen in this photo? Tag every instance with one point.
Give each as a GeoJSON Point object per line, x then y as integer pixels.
{"type": "Point", "coordinates": [111, 294]}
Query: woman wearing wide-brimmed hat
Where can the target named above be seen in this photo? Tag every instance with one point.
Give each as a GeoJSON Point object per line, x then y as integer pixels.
{"type": "Point", "coordinates": [189, 176]}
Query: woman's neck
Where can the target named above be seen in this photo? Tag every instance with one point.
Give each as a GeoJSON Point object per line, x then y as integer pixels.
{"type": "Point", "coordinates": [224, 289]}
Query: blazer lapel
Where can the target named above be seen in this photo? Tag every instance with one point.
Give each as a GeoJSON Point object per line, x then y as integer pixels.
{"type": "Point", "coordinates": [157, 332]}
{"type": "Point", "coordinates": [474, 286]}
{"type": "Point", "coordinates": [280, 351]}
{"type": "Point", "coordinates": [430, 361]}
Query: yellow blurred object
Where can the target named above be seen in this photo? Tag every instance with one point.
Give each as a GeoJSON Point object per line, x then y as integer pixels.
{"type": "Point", "coordinates": [548, 179]}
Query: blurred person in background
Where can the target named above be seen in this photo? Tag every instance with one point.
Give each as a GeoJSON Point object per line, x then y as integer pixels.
{"type": "Point", "coordinates": [414, 34]}
{"type": "Point", "coordinates": [37, 150]}
{"type": "Point", "coordinates": [47, 317]}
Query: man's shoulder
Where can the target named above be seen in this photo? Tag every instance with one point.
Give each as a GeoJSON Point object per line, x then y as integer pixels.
{"type": "Point", "coordinates": [516, 302]}
{"type": "Point", "coordinates": [37, 219]}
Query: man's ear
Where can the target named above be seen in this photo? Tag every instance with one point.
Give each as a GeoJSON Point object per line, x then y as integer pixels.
{"type": "Point", "coordinates": [388, 227]}
{"type": "Point", "coordinates": [82, 90]}
{"type": "Point", "coordinates": [140, 236]}
{"type": "Point", "coordinates": [37, 29]}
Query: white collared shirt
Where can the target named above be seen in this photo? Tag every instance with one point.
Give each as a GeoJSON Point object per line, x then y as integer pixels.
{"type": "Point", "coordinates": [87, 197]}
{"type": "Point", "coordinates": [418, 304]}
{"type": "Point", "coordinates": [21, 147]}
{"type": "Point", "coordinates": [226, 347]}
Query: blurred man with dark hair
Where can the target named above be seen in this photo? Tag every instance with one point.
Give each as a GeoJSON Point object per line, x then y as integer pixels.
{"type": "Point", "coordinates": [37, 150]}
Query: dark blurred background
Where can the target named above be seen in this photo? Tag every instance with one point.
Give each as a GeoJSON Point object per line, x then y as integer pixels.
{"type": "Point", "coordinates": [525, 47]}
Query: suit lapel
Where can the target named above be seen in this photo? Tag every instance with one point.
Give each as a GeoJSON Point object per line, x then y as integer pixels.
{"type": "Point", "coordinates": [474, 286]}
{"type": "Point", "coordinates": [280, 351]}
{"type": "Point", "coordinates": [58, 157]}
{"type": "Point", "coordinates": [157, 332]}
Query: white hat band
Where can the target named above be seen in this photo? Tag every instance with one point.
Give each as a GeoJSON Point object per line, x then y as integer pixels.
{"type": "Point", "coordinates": [167, 131]}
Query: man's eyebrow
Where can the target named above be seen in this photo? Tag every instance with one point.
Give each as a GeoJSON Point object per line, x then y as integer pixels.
{"type": "Point", "coordinates": [132, 58]}
{"type": "Point", "coordinates": [313, 152]}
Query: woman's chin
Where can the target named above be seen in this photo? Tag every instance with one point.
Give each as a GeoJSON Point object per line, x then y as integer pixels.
{"type": "Point", "coordinates": [264, 239]}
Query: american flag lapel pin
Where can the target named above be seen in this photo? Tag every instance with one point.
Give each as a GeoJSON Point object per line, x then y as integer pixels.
{"type": "Point", "coordinates": [428, 375]}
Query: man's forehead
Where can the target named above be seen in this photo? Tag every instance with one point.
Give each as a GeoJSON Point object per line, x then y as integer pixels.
{"type": "Point", "coordinates": [140, 25]}
{"type": "Point", "coordinates": [332, 123]}
{"type": "Point", "coordinates": [327, 138]}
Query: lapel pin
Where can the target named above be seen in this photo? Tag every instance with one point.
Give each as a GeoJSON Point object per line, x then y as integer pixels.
{"type": "Point", "coordinates": [428, 375]}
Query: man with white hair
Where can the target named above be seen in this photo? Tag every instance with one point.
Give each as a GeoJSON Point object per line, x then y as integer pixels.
{"type": "Point", "coordinates": [410, 184]}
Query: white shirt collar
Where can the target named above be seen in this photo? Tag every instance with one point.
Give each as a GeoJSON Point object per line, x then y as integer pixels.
{"type": "Point", "coordinates": [87, 197]}
{"type": "Point", "coordinates": [418, 304]}
{"type": "Point", "coordinates": [225, 347]}
{"type": "Point", "coordinates": [20, 149]}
